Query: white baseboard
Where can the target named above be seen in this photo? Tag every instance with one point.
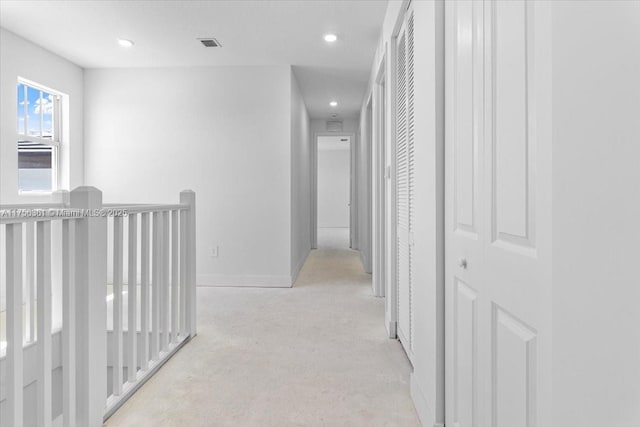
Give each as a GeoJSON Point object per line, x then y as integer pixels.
{"type": "Point", "coordinates": [425, 413]}
{"type": "Point", "coordinates": [252, 281]}
{"type": "Point", "coordinates": [244, 281]}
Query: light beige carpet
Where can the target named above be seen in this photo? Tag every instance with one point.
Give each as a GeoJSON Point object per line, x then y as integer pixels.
{"type": "Point", "coordinates": [313, 355]}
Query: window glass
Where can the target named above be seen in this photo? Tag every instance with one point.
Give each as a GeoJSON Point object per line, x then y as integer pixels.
{"type": "Point", "coordinates": [38, 141]}
{"type": "Point", "coordinates": [33, 118]}
{"type": "Point", "coordinates": [21, 108]}
{"type": "Point", "coordinates": [35, 166]}
{"type": "Point", "coordinates": [46, 106]}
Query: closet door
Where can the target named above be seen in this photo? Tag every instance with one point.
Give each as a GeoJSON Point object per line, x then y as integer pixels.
{"type": "Point", "coordinates": [498, 214]}
{"type": "Point", "coordinates": [464, 232]}
{"type": "Point", "coordinates": [405, 180]}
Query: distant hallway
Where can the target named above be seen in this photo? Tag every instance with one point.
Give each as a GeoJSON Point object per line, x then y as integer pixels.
{"type": "Point", "coordinates": [333, 238]}
{"type": "Point", "coordinates": [315, 354]}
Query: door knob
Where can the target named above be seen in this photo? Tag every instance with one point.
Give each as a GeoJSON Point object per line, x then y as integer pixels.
{"type": "Point", "coordinates": [462, 262]}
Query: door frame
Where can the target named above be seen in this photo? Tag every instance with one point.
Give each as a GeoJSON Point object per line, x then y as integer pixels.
{"type": "Point", "coordinates": [314, 185]}
{"type": "Point", "coordinates": [391, 78]}
{"type": "Point", "coordinates": [365, 189]}
{"type": "Point", "coordinates": [379, 177]}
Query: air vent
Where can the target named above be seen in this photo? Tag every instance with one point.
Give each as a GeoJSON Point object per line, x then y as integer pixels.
{"type": "Point", "coordinates": [334, 125]}
{"type": "Point", "coordinates": [210, 42]}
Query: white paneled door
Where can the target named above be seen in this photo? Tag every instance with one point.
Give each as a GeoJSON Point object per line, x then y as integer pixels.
{"type": "Point", "coordinates": [497, 218]}
{"type": "Point", "coordinates": [405, 181]}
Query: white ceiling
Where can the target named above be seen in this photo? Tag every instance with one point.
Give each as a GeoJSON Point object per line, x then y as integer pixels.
{"type": "Point", "coordinates": [258, 32]}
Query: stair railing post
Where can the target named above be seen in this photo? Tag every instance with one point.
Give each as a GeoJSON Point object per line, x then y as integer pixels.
{"type": "Point", "coordinates": [188, 197]}
{"type": "Point", "coordinates": [91, 306]}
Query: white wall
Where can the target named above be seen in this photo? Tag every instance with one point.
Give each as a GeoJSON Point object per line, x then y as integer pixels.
{"type": "Point", "coordinates": [427, 380]}
{"type": "Point", "coordinates": [334, 166]}
{"type": "Point", "coordinates": [596, 208]}
{"type": "Point", "coordinates": [223, 132]}
{"type": "Point", "coordinates": [21, 58]}
{"type": "Point", "coordinates": [300, 180]}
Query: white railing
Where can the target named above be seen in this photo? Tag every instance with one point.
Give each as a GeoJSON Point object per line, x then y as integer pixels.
{"type": "Point", "coordinates": [114, 288]}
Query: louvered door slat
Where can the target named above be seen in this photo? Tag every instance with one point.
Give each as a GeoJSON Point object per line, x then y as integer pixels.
{"type": "Point", "coordinates": [410, 164]}
{"type": "Point", "coordinates": [402, 194]}
{"type": "Point", "coordinates": [405, 181]}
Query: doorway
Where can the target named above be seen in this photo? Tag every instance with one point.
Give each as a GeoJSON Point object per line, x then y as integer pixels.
{"type": "Point", "coordinates": [333, 209]}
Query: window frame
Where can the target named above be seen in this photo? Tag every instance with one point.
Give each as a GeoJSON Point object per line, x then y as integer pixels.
{"type": "Point", "coordinates": [56, 138]}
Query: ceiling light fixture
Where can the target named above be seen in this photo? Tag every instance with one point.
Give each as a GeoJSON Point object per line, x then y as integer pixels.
{"type": "Point", "coordinates": [330, 38]}
{"type": "Point", "coordinates": [333, 103]}
{"type": "Point", "coordinates": [125, 43]}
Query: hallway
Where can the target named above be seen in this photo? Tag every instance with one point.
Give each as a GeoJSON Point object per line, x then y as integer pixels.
{"type": "Point", "coordinates": [315, 354]}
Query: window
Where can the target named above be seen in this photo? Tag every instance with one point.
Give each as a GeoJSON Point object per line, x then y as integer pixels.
{"type": "Point", "coordinates": [38, 137]}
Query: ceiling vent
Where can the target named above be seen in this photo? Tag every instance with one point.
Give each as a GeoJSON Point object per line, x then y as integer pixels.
{"type": "Point", "coordinates": [334, 125]}
{"type": "Point", "coordinates": [210, 42]}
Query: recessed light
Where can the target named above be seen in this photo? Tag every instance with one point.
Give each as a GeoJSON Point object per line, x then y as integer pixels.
{"type": "Point", "coordinates": [330, 38]}
{"type": "Point", "coordinates": [333, 103]}
{"type": "Point", "coordinates": [125, 43]}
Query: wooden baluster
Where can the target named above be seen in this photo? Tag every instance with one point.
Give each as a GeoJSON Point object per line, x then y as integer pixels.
{"type": "Point", "coordinates": [175, 275]}
{"type": "Point", "coordinates": [116, 349]}
{"type": "Point", "coordinates": [14, 356]}
{"type": "Point", "coordinates": [184, 329]}
{"type": "Point", "coordinates": [30, 294]}
{"type": "Point", "coordinates": [144, 289]}
{"type": "Point", "coordinates": [43, 283]}
{"type": "Point", "coordinates": [156, 286]}
{"type": "Point", "coordinates": [166, 302]}
{"type": "Point", "coordinates": [68, 324]}
{"type": "Point", "coordinates": [132, 286]}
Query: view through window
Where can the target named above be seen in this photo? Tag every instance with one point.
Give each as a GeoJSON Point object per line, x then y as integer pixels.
{"type": "Point", "coordinates": [38, 138]}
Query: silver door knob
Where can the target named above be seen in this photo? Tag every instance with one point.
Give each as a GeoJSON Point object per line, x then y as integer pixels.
{"type": "Point", "coordinates": [462, 263]}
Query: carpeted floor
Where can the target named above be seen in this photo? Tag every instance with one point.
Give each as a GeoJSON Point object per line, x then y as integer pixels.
{"type": "Point", "coordinates": [312, 355]}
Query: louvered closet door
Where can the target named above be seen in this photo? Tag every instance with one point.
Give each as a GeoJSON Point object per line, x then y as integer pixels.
{"type": "Point", "coordinates": [497, 218]}
{"type": "Point", "coordinates": [405, 181]}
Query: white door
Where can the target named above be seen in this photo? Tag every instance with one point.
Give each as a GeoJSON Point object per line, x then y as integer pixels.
{"type": "Point", "coordinates": [405, 181]}
{"type": "Point", "coordinates": [497, 219]}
